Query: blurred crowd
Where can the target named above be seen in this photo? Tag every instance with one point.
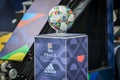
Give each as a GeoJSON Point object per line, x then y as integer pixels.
{"type": "Point", "coordinates": [8, 11]}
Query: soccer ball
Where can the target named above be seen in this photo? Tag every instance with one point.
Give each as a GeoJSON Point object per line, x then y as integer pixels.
{"type": "Point", "coordinates": [61, 18]}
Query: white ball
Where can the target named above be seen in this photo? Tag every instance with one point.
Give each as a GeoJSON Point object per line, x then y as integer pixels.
{"type": "Point", "coordinates": [61, 18]}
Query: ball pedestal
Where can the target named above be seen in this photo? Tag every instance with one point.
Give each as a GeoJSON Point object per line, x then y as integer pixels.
{"type": "Point", "coordinates": [61, 56]}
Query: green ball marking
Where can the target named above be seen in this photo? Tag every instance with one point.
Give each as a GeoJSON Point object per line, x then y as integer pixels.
{"type": "Point", "coordinates": [58, 24]}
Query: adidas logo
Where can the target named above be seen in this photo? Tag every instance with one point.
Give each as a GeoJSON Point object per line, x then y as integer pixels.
{"type": "Point", "coordinates": [50, 69]}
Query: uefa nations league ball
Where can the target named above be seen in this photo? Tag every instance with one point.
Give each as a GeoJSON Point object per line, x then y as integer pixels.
{"type": "Point", "coordinates": [61, 18]}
